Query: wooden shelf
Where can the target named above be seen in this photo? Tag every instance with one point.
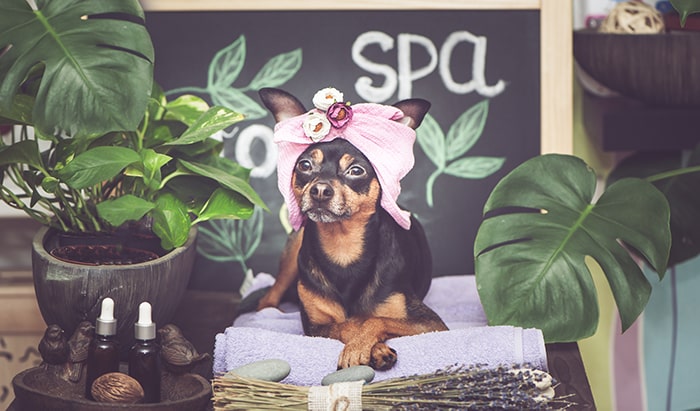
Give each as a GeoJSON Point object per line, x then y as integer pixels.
{"type": "Point", "coordinates": [622, 124]}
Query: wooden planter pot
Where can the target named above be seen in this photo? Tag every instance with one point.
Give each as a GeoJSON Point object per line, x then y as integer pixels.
{"type": "Point", "coordinates": [69, 293]}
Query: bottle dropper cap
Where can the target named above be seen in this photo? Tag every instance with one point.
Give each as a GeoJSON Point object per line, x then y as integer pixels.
{"type": "Point", "coordinates": [145, 328]}
{"type": "Point", "coordinates": [106, 324]}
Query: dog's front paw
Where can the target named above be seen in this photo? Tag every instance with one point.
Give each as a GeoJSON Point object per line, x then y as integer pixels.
{"type": "Point", "coordinates": [380, 356]}
{"type": "Point", "coordinates": [383, 357]}
{"type": "Point", "coordinates": [354, 353]}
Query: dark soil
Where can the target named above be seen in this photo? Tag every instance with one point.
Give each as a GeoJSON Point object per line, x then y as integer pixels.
{"type": "Point", "coordinates": [102, 255]}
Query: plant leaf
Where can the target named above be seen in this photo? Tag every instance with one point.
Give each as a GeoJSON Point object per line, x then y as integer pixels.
{"type": "Point", "coordinates": [215, 119]}
{"type": "Point", "coordinates": [530, 267]}
{"type": "Point", "coordinates": [97, 165]}
{"type": "Point", "coordinates": [19, 111]}
{"type": "Point", "coordinates": [685, 8]}
{"type": "Point", "coordinates": [119, 210]}
{"type": "Point", "coordinates": [681, 192]}
{"type": "Point", "coordinates": [186, 109]}
{"type": "Point", "coordinates": [278, 70]}
{"type": "Point", "coordinates": [227, 64]}
{"type": "Point", "coordinates": [226, 180]}
{"type": "Point", "coordinates": [98, 71]}
{"type": "Point", "coordinates": [238, 101]}
{"type": "Point", "coordinates": [171, 222]}
{"type": "Point", "coordinates": [466, 131]}
{"type": "Point", "coordinates": [432, 141]}
{"type": "Point", "coordinates": [149, 168]}
{"type": "Point", "coordinates": [474, 167]}
{"type": "Point", "coordinates": [22, 152]}
{"type": "Point", "coordinates": [225, 204]}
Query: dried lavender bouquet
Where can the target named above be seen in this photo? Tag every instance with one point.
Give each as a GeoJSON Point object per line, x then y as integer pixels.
{"type": "Point", "coordinates": [452, 388]}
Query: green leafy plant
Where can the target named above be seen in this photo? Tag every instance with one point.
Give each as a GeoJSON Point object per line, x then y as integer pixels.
{"type": "Point", "coordinates": [107, 148]}
{"type": "Point", "coordinates": [96, 72]}
{"type": "Point", "coordinates": [541, 223]}
{"type": "Point", "coordinates": [541, 230]}
{"type": "Point", "coordinates": [445, 150]}
{"type": "Point", "coordinates": [168, 169]}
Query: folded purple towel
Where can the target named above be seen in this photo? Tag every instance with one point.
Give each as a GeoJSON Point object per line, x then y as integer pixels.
{"type": "Point", "coordinates": [273, 333]}
{"type": "Point", "coordinates": [312, 358]}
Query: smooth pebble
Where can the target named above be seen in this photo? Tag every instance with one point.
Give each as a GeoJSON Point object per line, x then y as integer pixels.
{"type": "Point", "coordinates": [356, 373]}
{"type": "Point", "coordinates": [268, 370]}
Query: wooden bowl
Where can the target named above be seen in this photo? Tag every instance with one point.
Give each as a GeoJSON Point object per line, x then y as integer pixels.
{"type": "Point", "coordinates": [657, 69]}
{"type": "Point", "coordinates": [36, 389]}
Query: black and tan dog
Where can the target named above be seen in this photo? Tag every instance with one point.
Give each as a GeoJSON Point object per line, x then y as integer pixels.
{"type": "Point", "coordinates": [361, 277]}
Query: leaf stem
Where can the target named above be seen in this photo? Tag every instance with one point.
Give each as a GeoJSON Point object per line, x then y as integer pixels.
{"type": "Point", "coordinates": [429, 186]}
{"type": "Point", "coordinates": [672, 173]}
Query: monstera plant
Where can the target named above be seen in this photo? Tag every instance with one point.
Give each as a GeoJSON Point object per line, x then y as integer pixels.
{"type": "Point", "coordinates": [106, 147]}
{"type": "Point", "coordinates": [542, 229]}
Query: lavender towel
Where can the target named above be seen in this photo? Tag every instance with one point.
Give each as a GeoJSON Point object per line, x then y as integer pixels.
{"type": "Point", "coordinates": [273, 333]}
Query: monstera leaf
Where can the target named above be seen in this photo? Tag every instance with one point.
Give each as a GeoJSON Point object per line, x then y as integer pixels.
{"type": "Point", "coordinates": [95, 59]}
{"type": "Point", "coordinates": [540, 225]}
{"type": "Point", "coordinates": [681, 191]}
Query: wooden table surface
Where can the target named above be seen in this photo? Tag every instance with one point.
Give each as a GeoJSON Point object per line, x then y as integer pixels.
{"type": "Point", "coordinates": [203, 314]}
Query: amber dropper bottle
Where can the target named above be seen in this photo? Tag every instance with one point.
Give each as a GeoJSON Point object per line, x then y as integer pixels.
{"type": "Point", "coordinates": [103, 351]}
{"type": "Point", "coordinates": [144, 356]}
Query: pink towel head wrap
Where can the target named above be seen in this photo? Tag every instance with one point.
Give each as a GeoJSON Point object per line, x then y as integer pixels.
{"type": "Point", "coordinates": [374, 129]}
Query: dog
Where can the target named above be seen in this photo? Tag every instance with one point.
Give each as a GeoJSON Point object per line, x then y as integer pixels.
{"type": "Point", "coordinates": [360, 276]}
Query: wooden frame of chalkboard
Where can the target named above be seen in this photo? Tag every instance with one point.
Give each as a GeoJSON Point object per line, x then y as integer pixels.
{"type": "Point", "coordinates": [556, 56]}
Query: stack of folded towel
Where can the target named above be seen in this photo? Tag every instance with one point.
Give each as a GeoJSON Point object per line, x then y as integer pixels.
{"type": "Point", "coordinates": [277, 333]}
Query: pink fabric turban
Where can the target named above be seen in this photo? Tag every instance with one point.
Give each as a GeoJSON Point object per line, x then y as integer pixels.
{"type": "Point", "coordinates": [374, 130]}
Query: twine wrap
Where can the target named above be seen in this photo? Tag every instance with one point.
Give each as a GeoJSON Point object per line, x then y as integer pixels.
{"type": "Point", "coordinates": [344, 396]}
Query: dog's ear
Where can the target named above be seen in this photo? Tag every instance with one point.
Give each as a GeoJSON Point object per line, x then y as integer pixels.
{"type": "Point", "coordinates": [414, 110]}
{"type": "Point", "coordinates": [281, 104]}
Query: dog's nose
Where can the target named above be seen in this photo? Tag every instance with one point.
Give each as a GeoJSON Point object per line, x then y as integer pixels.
{"type": "Point", "coordinates": [321, 191]}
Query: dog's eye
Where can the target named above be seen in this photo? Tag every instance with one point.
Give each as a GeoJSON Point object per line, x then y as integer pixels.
{"type": "Point", "coordinates": [356, 171]}
{"type": "Point", "coordinates": [304, 166]}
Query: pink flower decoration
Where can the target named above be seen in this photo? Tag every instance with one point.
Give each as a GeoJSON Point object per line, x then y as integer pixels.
{"type": "Point", "coordinates": [339, 114]}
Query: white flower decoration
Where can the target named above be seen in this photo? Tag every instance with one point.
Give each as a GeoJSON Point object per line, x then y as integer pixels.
{"type": "Point", "coordinates": [316, 126]}
{"type": "Point", "coordinates": [325, 98]}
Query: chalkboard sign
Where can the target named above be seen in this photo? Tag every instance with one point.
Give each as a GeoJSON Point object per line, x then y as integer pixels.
{"type": "Point", "coordinates": [482, 69]}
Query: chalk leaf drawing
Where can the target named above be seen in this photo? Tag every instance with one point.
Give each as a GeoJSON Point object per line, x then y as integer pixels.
{"type": "Point", "coordinates": [445, 150]}
{"type": "Point", "coordinates": [231, 240]}
{"type": "Point", "coordinates": [225, 68]}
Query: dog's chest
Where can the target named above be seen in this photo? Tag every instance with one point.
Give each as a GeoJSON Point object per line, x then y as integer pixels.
{"type": "Point", "coordinates": [357, 286]}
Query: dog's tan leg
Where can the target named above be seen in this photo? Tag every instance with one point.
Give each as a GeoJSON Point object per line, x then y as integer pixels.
{"type": "Point", "coordinates": [288, 271]}
{"type": "Point", "coordinates": [367, 346]}
{"type": "Point", "coordinates": [364, 338]}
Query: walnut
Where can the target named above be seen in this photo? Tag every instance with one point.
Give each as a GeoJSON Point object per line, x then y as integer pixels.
{"type": "Point", "coordinates": [117, 387]}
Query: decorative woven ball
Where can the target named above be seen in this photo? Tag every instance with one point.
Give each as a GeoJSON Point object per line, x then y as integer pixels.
{"type": "Point", "coordinates": [633, 17]}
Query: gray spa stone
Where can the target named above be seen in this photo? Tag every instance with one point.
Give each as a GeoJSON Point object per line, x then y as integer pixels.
{"type": "Point", "coordinates": [268, 370]}
{"type": "Point", "coordinates": [356, 373]}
